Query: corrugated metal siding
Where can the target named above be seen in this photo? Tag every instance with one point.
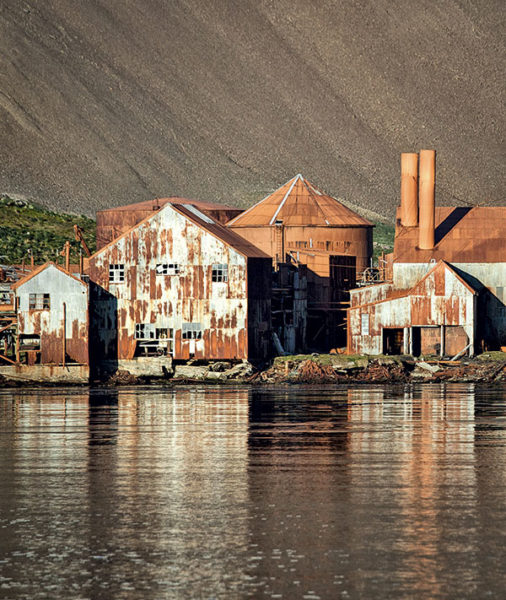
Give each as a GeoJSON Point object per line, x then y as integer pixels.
{"type": "Point", "coordinates": [49, 323]}
{"type": "Point", "coordinates": [421, 307]}
{"type": "Point", "coordinates": [168, 301]}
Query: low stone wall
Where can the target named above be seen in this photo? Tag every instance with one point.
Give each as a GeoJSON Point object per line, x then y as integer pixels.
{"type": "Point", "coordinates": [46, 373]}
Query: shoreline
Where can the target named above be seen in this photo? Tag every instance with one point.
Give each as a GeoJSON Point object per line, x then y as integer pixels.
{"type": "Point", "coordinates": [316, 369]}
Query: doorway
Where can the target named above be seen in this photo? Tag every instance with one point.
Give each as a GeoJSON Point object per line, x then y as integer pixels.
{"type": "Point", "coordinates": [393, 340]}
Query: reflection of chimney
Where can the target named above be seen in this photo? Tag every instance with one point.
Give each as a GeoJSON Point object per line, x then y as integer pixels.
{"type": "Point", "coordinates": [427, 199]}
{"type": "Point", "coordinates": [409, 189]}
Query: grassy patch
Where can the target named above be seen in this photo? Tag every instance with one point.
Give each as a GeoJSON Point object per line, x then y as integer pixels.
{"type": "Point", "coordinates": [25, 226]}
{"type": "Point", "coordinates": [495, 355]}
{"type": "Point", "coordinates": [383, 238]}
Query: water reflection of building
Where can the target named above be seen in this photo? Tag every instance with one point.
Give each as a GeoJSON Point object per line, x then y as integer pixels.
{"type": "Point", "coordinates": [171, 496]}
{"type": "Point", "coordinates": [420, 444]}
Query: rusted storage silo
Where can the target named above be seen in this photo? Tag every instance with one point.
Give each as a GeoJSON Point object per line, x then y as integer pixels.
{"type": "Point", "coordinates": [300, 218]}
{"type": "Point", "coordinates": [300, 224]}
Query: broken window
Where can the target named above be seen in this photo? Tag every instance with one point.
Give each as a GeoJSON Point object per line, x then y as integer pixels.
{"type": "Point", "coordinates": [154, 341]}
{"type": "Point", "coordinates": [192, 331]}
{"type": "Point", "coordinates": [144, 331]}
{"type": "Point", "coordinates": [29, 342]}
{"type": "Point", "coordinates": [5, 298]}
{"type": "Point", "coordinates": [220, 273]}
{"type": "Point", "coordinates": [168, 269]}
{"type": "Point", "coordinates": [116, 273]}
{"type": "Point", "coordinates": [39, 301]}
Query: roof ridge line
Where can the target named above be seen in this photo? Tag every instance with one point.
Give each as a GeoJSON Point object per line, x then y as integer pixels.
{"type": "Point", "coordinates": [295, 179]}
{"type": "Point", "coordinates": [308, 185]}
{"type": "Point", "coordinates": [245, 212]}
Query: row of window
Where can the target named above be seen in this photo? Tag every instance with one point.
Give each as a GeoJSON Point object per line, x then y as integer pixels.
{"type": "Point", "coordinates": [149, 331]}
{"type": "Point", "coordinates": [117, 272]}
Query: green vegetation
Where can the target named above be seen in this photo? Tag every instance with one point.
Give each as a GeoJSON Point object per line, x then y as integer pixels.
{"type": "Point", "coordinates": [26, 227]}
{"type": "Point", "coordinates": [383, 239]}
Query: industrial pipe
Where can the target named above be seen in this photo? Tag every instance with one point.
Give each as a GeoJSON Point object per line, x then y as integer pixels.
{"type": "Point", "coordinates": [427, 171]}
{"type": "Point", "coordinates": [409, 189]}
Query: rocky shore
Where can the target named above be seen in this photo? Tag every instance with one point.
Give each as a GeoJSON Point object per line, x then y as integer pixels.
{"type": "Point", "coordinates": [487, 368]}
{"type": "Point", "coordinates": [321, 369]}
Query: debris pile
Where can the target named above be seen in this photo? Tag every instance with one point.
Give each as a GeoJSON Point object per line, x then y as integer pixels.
{"type": "Point", "coordinates": [312, 372]}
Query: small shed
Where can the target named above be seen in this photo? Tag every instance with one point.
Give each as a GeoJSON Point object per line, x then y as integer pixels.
{"type": "Point", "coordinates": [436, 316]}
{"type": "Point", "coordinates": [52, 311]}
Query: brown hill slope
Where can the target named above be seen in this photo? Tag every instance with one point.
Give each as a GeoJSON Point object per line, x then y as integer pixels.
{"type": "Point", "coordinates": [106, 102]}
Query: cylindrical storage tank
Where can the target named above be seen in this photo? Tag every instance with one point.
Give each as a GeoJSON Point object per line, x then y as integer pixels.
{"type": "Point", "coordinates": [409, 189]}
{"type": "Point", "coordinates": [427, 199]}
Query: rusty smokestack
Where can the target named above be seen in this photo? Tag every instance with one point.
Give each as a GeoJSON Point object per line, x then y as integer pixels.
{"type": "Point", "coordinates": [409, 189]}
{"type": "Point", "coordinates": [427, 199]}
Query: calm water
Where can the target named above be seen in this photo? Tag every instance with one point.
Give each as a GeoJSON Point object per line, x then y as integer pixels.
{"type": "Point", "coordinates": [282, 492]}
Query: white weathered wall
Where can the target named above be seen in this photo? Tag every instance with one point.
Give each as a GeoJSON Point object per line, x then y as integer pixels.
{"type": "Point", "coordinates": [62, 289]}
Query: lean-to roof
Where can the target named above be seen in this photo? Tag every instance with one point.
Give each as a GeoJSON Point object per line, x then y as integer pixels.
{"type": "Point", "coordinates": [463, 235]}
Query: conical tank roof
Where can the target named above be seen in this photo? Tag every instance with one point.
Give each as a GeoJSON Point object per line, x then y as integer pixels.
{"type": "Point", "coordinates": [299, 203]}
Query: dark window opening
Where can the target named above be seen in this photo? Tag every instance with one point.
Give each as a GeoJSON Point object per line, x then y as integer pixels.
{"type": "Point", "coordinates": [192, 331]}
{"type": "Point", "coordinates": [39, 301]}
{"type": "Point", "coordinates": [220, 273]}
{"type": "Point", "coordinates": [116, 273]}
{"type": "Point", "coordinates": [153, 341]}
{"type": "Point", "coordinates": [168, 269]}
{"type": "Point", "coordinates": [29, 342]}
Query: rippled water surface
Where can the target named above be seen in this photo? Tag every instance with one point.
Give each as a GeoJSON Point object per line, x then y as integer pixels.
{"type": "Point", "coordinates": [282, 492]}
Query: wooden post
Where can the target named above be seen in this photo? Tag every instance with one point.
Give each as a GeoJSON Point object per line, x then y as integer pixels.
{"type": "Point", "coordinates": [67, 256]}
{"type": "Point", "coordinates": [64, 339]}
{"type": "Point", "coordinates": [17, 349]}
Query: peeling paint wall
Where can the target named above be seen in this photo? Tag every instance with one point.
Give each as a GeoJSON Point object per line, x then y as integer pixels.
{"type": "Point", "coordinates": [56, 329]}
{"type": "Point", "coordinates": [225, 310]}
{"type": "Point", "coordinates": [492, 276]}
{"type": "Point", "coordinates": [439, 300]}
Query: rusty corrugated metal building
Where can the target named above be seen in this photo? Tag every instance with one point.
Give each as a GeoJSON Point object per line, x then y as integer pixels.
{"type": "Point", "coordinates": [436, 316]}
{"type": "Point", "coordinates": [472, 243]}
{"type": "Point", "coordinates": [301, 225]}
{"type": "Point", "coordinates": [113, 222]}
{"type": "Point", "coordinates": [52, 313]}
{"type": "Point", "coordinates": [180, 285]}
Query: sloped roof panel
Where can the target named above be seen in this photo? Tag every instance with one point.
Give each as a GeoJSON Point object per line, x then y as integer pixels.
{"type": "Point", "coordinates": [299, 203]}
{"type": "Point", "coordinates": [157, 203]}
{"type": "Point", "coordinates": [463, 235]}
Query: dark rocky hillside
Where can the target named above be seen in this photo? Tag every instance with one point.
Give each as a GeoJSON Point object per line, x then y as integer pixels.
{"type": "Point", "coordinates": [106, 102]}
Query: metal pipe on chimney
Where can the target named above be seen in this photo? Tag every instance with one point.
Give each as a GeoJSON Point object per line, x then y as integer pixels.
{"type": "Point", "coordinates": [427, 171]}
{"type": "Point", "coordinates": [409, 189]}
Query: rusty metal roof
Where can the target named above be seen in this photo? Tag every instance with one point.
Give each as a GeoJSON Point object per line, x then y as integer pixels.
{"type": "Point", "coordinates": [221, 232]}
{"type": "Point", "coordinates": [192, 213]}
{"type": "Point", "coordinates": [463, 235]}
{"type": "Point", "coordinates": [41, 268]}
{"type": "Point", "coordinates": [397, 293]}
{"type": "Point", "coordinates": [299, 203]}
{"type": "Point", "coordinates": [157, 203]}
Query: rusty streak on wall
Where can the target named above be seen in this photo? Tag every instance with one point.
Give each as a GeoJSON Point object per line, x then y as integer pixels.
{"type": "Point", "coordinates": [234, 315]}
